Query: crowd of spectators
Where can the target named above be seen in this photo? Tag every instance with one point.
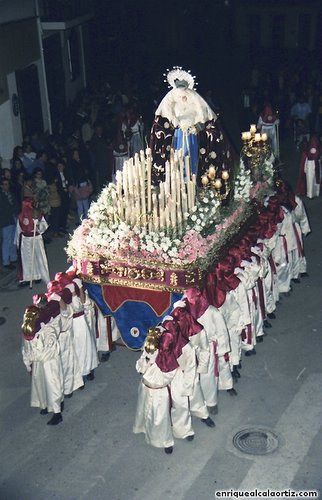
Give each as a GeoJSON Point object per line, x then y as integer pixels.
{"type": "Point", "coordinates": [295, 93]}
{"type": "Point", "coordinates": [61, 172]}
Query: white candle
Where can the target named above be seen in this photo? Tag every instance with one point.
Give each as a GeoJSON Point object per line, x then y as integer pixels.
{"type": "Point", "coordinates": [264, 137]}
{"type": "Point", "coordinates": [167, 178]}
{"type": "Point", "coordinates": [187, 165]}
{"type": "Point", "coordinates": [143, 205]}
{"type": "Point", "coordinates": [178, 188]}
{"type": "Point", "coordinates": [179, 224]}
{"type": "Point", "coordinates": [192, 194]}
{"type": "Point", "coordinates": [181, 168]}
{"type": "Point", "coordinates": [184, 204]}
{"type": "Point", "coordinates": [257, 137]}
{"type": "Point", "coordinates": [194, 185]}
{"type": "Point", "coordinates": [149, 168]}
{"type": "Point", "coordinates": [252, 129]}
{"type": "Point", "coordinates": [173, 183]}
{"type": "Point", "coordinates": [125, 178]}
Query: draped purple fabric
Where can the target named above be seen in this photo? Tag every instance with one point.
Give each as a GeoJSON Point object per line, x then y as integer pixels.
{"type": "Point", "coordinates": [212, 293]}
{"type": "Point", "coordinates": [197, 304]}
{"type": "Point", "coordinates": [226, 279]}
{"type": "Point", "coordinates": [166, 357]}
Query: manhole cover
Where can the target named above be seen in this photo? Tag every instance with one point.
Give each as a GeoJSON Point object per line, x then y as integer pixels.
{"type": "Point", "coordinates": [255, 441]}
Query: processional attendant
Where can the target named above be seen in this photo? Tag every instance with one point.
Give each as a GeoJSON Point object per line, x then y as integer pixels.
{"type": "Point", "coordinates": [41, 356]}
{"type": "Point", "coordinates": [72, 376]}
{"type": "Point", "coordinates": [219, 346]}
{"type": "Point", "coordinates": [32, 259]}
{"type": "Point", "coordinates": [268, 123]}
{"type": "Point", "coordinates": [158, 366]}
{"type": "Point", "coordinates": [309, 181]}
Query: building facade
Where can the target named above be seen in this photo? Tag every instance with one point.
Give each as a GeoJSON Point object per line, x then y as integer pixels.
{"type": "Point", "coordinates": [43, 65]}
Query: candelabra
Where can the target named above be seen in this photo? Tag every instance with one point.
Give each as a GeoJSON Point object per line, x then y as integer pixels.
{"type": "Point", "coordinates": [219, 184]}
{"type": "Point", "coordinates": [255, 151]}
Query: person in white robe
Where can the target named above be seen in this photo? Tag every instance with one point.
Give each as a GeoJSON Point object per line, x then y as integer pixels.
{"type": "Point", "coordinates": [268, 123]}
{"type": "Point", "coordinates": [218, 340]}
{"type": "Point", "coordinates": [309, 180]}
{"type": "Point", "coordinates": [153, 406]}
{"type": "Point", "coordinates": [186, 394]}
{"type": "Point", "coordinates": [41, 356]}
{"type": "Point", "coordinates": [303, 228]}
{"type": "Point", "coordinates": [29, 240]}
{"type": "Point", "coordinates": [84, 341]}
{"type": "Point", "coordinates": [72, 376]}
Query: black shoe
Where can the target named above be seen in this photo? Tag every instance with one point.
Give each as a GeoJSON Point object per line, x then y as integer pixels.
{"type": "Point", "coordinates": [304, 275]}
{"type": "Point", "coordinates": [38, 281]}
{"type": "Point", "coordinates": [56, 419]}
{"type": "Point", "coordinates": [296, 280]}
{"type": "Point", "coordinates": [44, 412]}
{"type": "Point", "coordinates": [68, 396]}
{"type": "Point", "coordinates": [213, 410]}
{"type": "Point", "coordinates": [90, 376]}
{"type": "Point", "coordinates": [10, 266]}
{"type": "Point", "coordinates": [190, 438]}
{"type": "Point", "coordinates": [168, 450]}
{"type": "Point", "coordinates": [250, 353]}
{"type": "Point", "coordinates": [260, 339]}
{"type": "Point", "coordinates": [232, 392]}
{"type": "Point", "coordinates": [271, 316]}
{"type": "Point", "coordinates": [208, 421]}
{"type": "Point", "coordinates": [104, 357]}
{"type": "Point", "coordinates": [2, 320]}
{"type": "Point", "coordinates": [235, 371]}
{"type": "Point", "coordinates": [267, 324]}
{"type": "Point", "coordinates": [82, 387]}
{"type": "Point", "coordinates": [22, 284]}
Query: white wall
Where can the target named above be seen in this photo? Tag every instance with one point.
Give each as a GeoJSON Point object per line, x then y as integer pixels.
{"type": "Point", "coordinates": [10, 125]}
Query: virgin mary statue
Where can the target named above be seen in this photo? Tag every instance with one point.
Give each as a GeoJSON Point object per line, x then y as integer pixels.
{"type": "Point", "coordinates": [185, 122]}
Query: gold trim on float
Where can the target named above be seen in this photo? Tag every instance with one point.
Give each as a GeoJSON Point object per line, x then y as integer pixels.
{"type": "Point", "coordinates": [132, 284]}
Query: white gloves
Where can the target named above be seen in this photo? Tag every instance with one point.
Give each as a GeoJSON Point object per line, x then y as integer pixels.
{"type": "Point", "coordinates": [55, 297]}
{"type": "Point", "coordinates": [71, 287]}
{"type": "Point", "coordinates": [78, 282]}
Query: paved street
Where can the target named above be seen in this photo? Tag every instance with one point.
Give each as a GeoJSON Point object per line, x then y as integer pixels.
{"type": "Point", "coordinates": [93, 454]}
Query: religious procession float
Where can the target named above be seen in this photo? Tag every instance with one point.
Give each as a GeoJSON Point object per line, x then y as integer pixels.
{"type": "Point", "coordinates": [171, 213]}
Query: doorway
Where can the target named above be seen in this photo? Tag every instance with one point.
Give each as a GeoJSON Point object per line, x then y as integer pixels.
{"type": "Point", "coordinates": [29, 100]}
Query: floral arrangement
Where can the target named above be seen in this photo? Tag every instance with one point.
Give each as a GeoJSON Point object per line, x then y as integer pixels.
{"type": "Point", "coordinates": [208, 227]}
